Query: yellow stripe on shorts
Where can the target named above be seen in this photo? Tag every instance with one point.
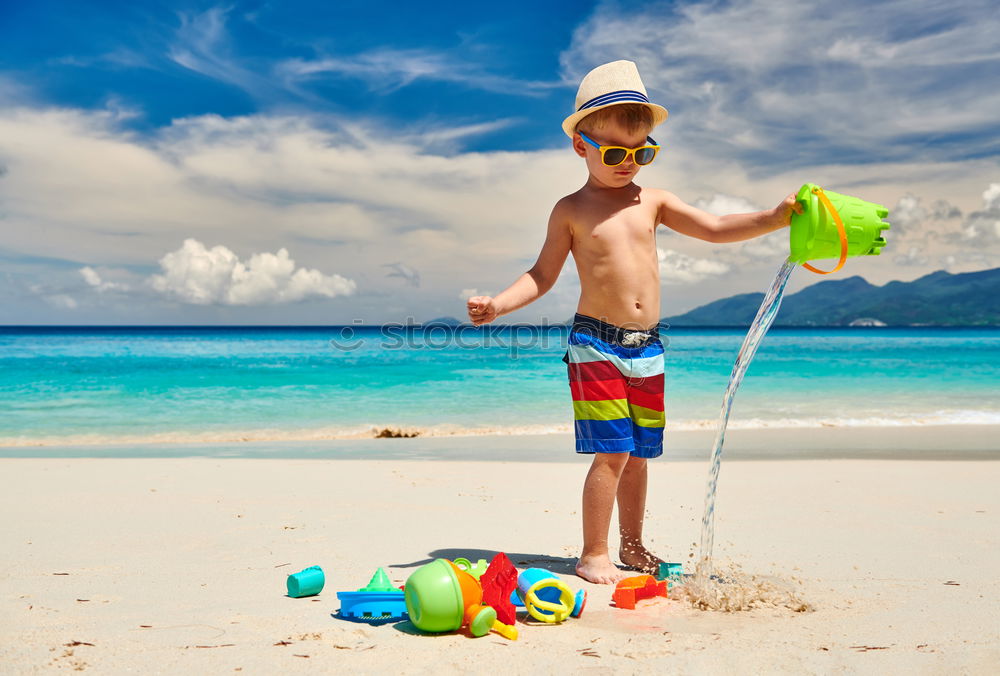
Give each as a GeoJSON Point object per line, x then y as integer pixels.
{"type": "Point", "coordinates": [647, 417]}
{"type": "Point", "coordinates": [607, 409]}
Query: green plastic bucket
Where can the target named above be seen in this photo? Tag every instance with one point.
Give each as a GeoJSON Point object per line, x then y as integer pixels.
{"type": "Point", "coordinates": [434, 597]}
{"type": "Point", "coordinates": [817, 234]}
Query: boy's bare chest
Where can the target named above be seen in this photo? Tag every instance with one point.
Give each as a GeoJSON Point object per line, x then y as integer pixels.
{"type": "Point", "coordinates": [601, 225]}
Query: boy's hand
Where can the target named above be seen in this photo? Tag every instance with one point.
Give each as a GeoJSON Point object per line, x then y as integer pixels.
{"type": "Point", "coordinates": [482, 310]}
{"type": "Point", "coordinates": [784, 210]}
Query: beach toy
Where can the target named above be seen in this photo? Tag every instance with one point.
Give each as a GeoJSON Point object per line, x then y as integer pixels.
{"type": "Point", "coordinates": [498, 581]}
{"type": "Point", "coordinates": [306, 582]}
{"type": "Point", "coordinates": [546, 597]}
{"type": "Point", "coordinates": [508, 631]}
{"type": "Point", "coordinates": [672, 572]}
{"type": "Point", "coordinates": [475, 571]}
{"type": "Point", "coordinates": [832, 225]}
{"type": "Point", "coordinates": [378, 600]}
{"type": "Point", "coordinates": [440, 597]}
{"type": "Point", "coordinates": [637, 588]}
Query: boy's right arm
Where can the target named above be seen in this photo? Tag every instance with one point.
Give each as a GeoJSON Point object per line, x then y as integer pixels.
{"type": "Point", "coordinates": [535, 282]}
{"type": "Point", "coordinates": [694, 222]}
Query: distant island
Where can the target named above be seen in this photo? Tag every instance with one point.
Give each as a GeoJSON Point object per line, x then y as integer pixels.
{"type": "Point", "coordinates": [937, 299]}
{"type": "Point", "coordinates": [442, 321]}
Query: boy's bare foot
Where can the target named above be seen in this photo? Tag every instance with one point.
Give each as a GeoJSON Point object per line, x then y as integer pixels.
{"type": "Point", "coordinates": [598, 569]}
{"type": "Point", "coordinates": [637, 557]}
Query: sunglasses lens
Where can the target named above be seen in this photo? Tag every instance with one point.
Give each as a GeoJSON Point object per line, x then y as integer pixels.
{"type": "Point", "coordinates": [644, 156]}
{"type": "Point", "coordinates": [614, 156]}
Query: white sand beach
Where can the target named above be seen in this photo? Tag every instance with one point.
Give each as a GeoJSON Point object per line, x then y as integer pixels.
{"type": "Point", "coordinates": [178, 565]}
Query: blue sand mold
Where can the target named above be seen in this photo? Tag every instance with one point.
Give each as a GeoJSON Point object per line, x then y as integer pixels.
{"type": "Point", "coordinates": [373, 605]}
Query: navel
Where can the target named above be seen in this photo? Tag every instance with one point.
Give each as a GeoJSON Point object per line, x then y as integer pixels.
{"type": "Point", "coordinates": [638, 305]}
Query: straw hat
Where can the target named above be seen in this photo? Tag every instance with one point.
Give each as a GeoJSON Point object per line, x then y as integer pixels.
{"type": "Point", "coordinates": [608, 85]}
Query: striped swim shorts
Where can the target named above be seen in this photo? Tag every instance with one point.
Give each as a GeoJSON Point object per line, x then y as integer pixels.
{"type": "Point", "coordinates": [616, 379]}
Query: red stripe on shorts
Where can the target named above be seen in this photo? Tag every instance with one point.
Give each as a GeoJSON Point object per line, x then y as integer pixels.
{"type": "Point", "coordinates": [598, 390]}
{"type": "Point", "coordinates": [593, 370]}
{"type": "Point", "coordinates": [650, 400]}
{"type": "Point", "coordinates": [651, 384]}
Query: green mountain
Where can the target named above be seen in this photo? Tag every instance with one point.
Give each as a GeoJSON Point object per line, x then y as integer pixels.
{"type": "Point", "coordinates": [937, 299]}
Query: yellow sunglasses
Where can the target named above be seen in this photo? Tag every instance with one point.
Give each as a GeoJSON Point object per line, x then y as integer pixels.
{"type": "Point", "coordinates": [612, 156]}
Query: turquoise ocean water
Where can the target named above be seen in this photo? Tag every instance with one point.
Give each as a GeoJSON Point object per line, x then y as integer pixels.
{"type": "Point", "coordinates": [64, 386]}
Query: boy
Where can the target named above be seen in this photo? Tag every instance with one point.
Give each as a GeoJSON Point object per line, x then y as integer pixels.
{"type": "Point", "coordinates": [615, 357]}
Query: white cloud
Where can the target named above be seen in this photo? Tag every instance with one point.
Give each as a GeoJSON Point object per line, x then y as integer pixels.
{"type": "Point", "coordinates": [404, 272]}
{"type": "Point", "coordinates": [771, 247]}
{"type": "Point", "coordinates": [991, 197]}
{"type": "Point", "coordinates": [90, 276]}
{"type": "Point", "coordinates": [216, 276]}
{"type": "Point", "coordinates": [446, 137]}
{"type": "Point", "coordinates": [720, 205]}
{"type": "Point", "coordinates": [93, 279]}
{"type": "Point", "coordinates": [56, 299]}
{"type": "Point", "coordinates": [336, 194]}
{"type": "Point", "coordinates": [120, 57]}
{"type": "Point", "coordinates": [202, 44]}
{"type": "Point", "coordinates": [938, 235]}
{"type": "Point", "coordinates": [62, 301]}
{"type": "Point", "coordinates": [908, 213]}
{"type": "Point", "coordinates": [387, 69]}
{"type": "Point", "coordinates": [466, 294]}
{"type": "Point", "coordinates": [265, 179]}
{"type": "Point", "coordinates": [981, 229]}
{"type": "Point", "coordinates": [913, 256]}
{"type": "Point", "coordinates": [679, 268]}
{"type": "Point", "coordinates": [942, 210]}
{"type": "Point", "coordinates": [794, 84]}
{"type": "Point", "coordinates": [976, 236]}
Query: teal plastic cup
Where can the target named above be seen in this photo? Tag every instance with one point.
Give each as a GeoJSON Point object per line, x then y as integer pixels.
{"type": "Point", "coordinates": [307, 582]}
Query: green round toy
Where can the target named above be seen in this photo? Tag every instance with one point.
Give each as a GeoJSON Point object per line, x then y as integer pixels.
{"type": "Point", "coordinates": [440, 596]}
{"type": "Point", "coordinates": [434, 597]}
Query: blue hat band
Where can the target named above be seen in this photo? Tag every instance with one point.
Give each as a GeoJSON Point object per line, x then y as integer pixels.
{"type": "Point", "coordinates": [615, 97]}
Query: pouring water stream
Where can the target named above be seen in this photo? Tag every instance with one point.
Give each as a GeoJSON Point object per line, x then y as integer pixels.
{"type": "Point", "coordinates": [761, 323]}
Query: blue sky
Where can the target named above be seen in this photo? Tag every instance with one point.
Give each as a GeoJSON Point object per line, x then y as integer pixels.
{"type": "Point", "coordinates": [466, 64]}
{"type": "Point", "coordinates": [310, 162]}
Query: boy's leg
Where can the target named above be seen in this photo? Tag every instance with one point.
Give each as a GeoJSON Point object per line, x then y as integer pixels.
{"type": "Point", "coordinates": [599, 491]}
{"type": "Point", "coordinates": [646, 410]}
{"type": "Point", "coordinates": [631, 512]}
{"type": "Point", "coordinates": [604, 425]}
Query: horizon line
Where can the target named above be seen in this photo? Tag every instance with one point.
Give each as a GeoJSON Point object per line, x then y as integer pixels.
{"type": "Point", "coordinates": [440, 324]}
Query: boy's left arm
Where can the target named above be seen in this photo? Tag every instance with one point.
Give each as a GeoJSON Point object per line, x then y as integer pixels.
{"type": "Point", "coordinates": [694, 222]}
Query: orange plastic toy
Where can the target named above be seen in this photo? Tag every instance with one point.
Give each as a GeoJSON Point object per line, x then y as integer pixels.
{"type": "Point", "coordinates": [638, 588]}
{"type": "Point", "coordinates": [476, 615]}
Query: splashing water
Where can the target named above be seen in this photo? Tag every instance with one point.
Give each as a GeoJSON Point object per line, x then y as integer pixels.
{"type": "Point", "coordinates": [735, 590]}
{"type": "Point", "coordinates": [761, 323]}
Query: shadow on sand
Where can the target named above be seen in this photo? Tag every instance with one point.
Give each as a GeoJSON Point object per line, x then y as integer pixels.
{"type": "Point", "coordinates": [560, 565]}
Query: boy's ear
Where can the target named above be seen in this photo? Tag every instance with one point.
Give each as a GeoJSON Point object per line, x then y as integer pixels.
{"type": "Point", "coordinates": [579, 145]}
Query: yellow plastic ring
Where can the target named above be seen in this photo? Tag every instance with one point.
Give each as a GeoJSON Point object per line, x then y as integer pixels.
{"type": "Point", "coordinates": [559, 611]}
